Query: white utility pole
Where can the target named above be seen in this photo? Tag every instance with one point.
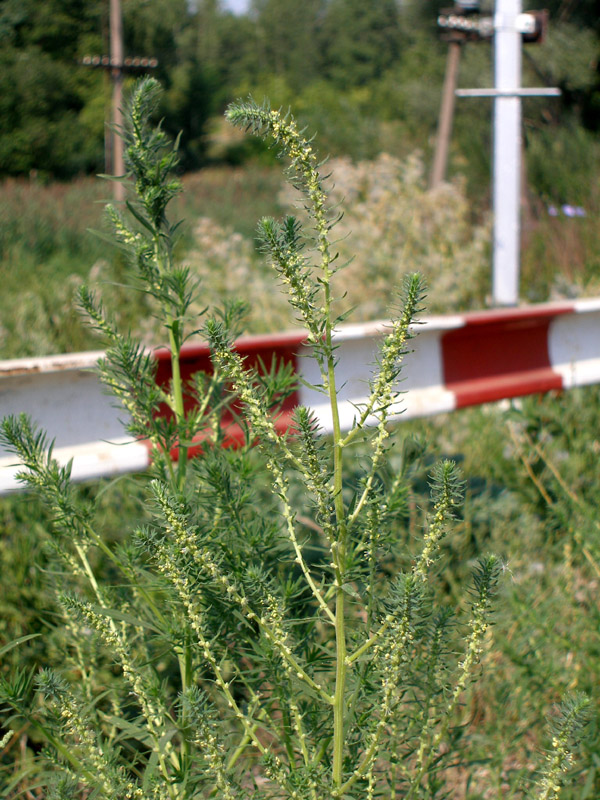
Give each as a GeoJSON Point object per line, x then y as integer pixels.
{"type": "Point", "coordinates": [509, 26]}
{"type": "Point", "coordinates": [507, 154]}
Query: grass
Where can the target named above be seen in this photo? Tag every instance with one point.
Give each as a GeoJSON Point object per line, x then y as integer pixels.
{"type": "Point", "coordinates": [46, 250]}
{"type": "Point", "coordinates": [562, 254]}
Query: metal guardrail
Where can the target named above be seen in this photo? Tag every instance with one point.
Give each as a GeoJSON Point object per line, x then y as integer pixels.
{"type": "Point", "coordinates": [455, 361]}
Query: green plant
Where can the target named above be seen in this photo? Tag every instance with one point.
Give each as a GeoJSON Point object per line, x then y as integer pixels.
{"type": "Point", "coordinates": [271, 632]}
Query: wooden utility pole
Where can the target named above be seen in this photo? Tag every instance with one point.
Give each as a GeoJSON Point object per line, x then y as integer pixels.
{"type": "Point", "coordinates": [459, 26]}
{"type": "Point", "coordinates": [442, 142]}
{"type": "Point", "coordinates": [116, 61]}
{"type": "Point", "coordinates": [118, 65]}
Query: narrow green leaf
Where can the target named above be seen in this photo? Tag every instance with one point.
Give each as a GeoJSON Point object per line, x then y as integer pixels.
{"type": "Point", "coordinates": [16, 642]}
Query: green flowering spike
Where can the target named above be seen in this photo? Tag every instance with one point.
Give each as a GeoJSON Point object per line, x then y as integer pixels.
{"type": "Point", "coordinates": [148, 155]}
{"type": "Point", "coordinates": [485, 578]}
{"type": "Point", "coordinates": [447, 485]}
{"type": "Point", "coordinates": [304, 166]}
{"type": "Point", "coordinates": [94, 310]}
{"type": "Point", "coordinates": [566, 729]}
{"type": "Point", "coordinates": [281, 242]}
{"type": "Point", "coordinates": [51, 685]}
{"type": "Point", "coordinates": [63, 787]}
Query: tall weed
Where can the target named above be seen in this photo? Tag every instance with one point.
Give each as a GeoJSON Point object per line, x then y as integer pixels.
{"type": "Point", "coordinates": [272, 632]}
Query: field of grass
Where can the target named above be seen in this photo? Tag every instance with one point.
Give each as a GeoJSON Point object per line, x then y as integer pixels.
{"type": "Point", "coordinates": [533, 483]}
{"type": "Point", "coordinates": [46, 249]}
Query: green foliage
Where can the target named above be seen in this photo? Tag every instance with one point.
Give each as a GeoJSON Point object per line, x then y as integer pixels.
{"type": "Point", "coordinates": [165, 30]}
{"type": "Point", "coordinates": [43, 124]}
{"type": "Point", "coordinates": [288, 39]}
{"type": "Point", "coordinates": [360, 41]}
{"type": "Point", "coordinates": [230, 648]}
{"type": "Point", "coordinates": [54, 109]}
{"type": "Point", "coordinates": [562, 183]}
{"type": "Point", "coordinates": [53, 26]}
{"type": "Point", "coordinates": [533, 495]}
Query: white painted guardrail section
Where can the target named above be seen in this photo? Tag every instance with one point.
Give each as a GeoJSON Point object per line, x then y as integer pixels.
{"type": "Point", "coordinates": [455, 361]}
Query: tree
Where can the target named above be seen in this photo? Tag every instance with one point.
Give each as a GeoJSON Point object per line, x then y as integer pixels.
{"type": "Point", "coordinates": [44, 97]}
{"type": "Point", "coordinates": [52, 109]}
{"type": "Point", "coordinates": [42, 112]}
{"type": "Point", "coordinates": [360, 40]}
{"type": "Point", "coordinates": [288, 38]}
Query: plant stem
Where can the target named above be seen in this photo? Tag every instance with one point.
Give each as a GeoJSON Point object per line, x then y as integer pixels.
{"type": "Point", "coordinates": [185, 669]}
{"type": "Point", "coordinates": [178, 402]}
{"type": "Point", "coordinates": [185, 656]}
{"type": "Point", "coordinates": [175, 348]}
{"type": "Point", "coordinates": [340, 686]}
{"type": "Point", "coordinates": [339, 554]}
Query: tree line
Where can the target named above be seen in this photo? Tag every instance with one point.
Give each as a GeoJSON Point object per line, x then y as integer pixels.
{"type": "Point", "coordinates": [367, 75]}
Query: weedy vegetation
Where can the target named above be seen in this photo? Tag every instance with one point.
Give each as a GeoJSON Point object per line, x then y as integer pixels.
{"type": "Point", "coordinates": [270, 629]}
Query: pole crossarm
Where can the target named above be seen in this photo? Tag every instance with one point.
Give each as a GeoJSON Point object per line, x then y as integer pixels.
{"type": "Point", "coordinates": [532, 26]}
{"type": "Point", "coordinates": [523, 92]}
{"type": "Point", "coordinates": [476, 28]}
{"type": "Point", "coordinates": [126, 64]}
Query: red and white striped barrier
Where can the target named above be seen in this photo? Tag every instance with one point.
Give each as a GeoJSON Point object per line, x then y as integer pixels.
{"type": "Point", "coordinates": [456, 361]}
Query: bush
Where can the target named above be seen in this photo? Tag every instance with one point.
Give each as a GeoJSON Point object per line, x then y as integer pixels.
{"type": "Point", "coordinates": [392, 225]}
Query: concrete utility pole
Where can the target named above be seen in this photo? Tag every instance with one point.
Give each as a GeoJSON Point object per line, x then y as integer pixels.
{"type": "Point", "coordinates": [509, 27]}
{"type": "Point", "coordinates": [507, 153]}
